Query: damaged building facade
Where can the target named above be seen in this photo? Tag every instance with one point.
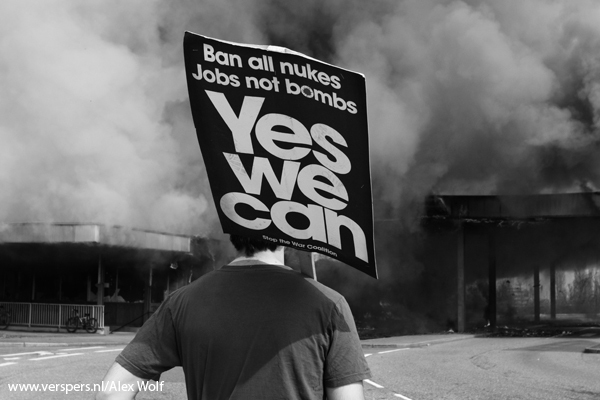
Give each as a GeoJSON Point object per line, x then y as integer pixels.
{"type": "Point", "coordinates": [119, 275]}
{"type": "Point", "coordinates": [518, 258]}
{"type": "Point", "coordinates": [482, 261]}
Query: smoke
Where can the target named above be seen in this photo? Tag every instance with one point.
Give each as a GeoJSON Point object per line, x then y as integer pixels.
{"type": "Point", "coordinates": [465, 97]}
{"type": "Point", "coordinates": [92, 125]}
{"type": "Point", "coordinates": [481, 97]}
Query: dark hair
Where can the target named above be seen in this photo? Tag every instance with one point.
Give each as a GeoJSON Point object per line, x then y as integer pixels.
{"type": "Point", "coordinates": [249, 246]}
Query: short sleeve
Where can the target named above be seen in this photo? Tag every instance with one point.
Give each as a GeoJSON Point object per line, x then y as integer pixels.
{"type": "Point", "coordinates": [154, 348]}
{"type": "Point", "coordinates": [345, 361]}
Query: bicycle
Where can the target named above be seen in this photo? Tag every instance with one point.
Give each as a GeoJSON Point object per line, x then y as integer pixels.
{"type": "Point", "coordinates": [4, 318]}
{"type": "Point", "coordinates": [76, 322]}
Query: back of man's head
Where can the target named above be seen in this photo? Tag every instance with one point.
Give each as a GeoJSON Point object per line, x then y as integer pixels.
{"type": "Point", "coordinates": [250, 246]}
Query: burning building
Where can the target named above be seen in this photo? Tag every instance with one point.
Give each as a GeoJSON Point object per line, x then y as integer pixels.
{"type": "Point", "coordinates": [474, 98]}
{"type": "Point", "coordinates": [514, 252]}
{"type": "Point", "coordinates": [482, 261]}
{"type": "Point", "coordinates": [49, 269]}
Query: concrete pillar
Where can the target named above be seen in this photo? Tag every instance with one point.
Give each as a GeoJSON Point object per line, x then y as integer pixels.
{"type": "Point", "coordinates": [33, 287]}
{"type": "Point", "coordinates": [100, 284]}
{"type": "Point", "coordinates": [553, 291]}
{"type": "Point", "coordinates": [460, 279]}
{"type": "Point", "coordinates": [536, 293]}
{"type": "Point", "coordinates": [148, 294]}
{"type": "Point", "coordinates": [492, 278]}
{"type": "Point", "coordinates": [4, 279]}
{"type": "Point", "coordinates": [116, 291]}
{"type": "Point", "coordinates": [19, 287]}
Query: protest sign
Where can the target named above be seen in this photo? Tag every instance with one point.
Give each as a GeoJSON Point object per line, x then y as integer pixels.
{"type": "Point", "coordinates": [285, 144]}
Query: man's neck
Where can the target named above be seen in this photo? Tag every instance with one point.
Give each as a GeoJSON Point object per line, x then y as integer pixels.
{"type": "Point", "coordinates": [268, 257]}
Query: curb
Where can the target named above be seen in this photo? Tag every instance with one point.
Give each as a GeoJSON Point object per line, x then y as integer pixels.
{"type": "Point", "coordinates": [32, 344]}
{"type": "Point", "coordinates": [426, 343]}
{"type": "Point", "coordinates": [56, 344]}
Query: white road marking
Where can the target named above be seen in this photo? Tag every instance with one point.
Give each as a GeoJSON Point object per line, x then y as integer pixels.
{"type": "Point", "coordinates": [84, 348]}
{"type": "Point", "coordinates": [391, 351]}
{"type": "Point", "coordinates": [5, 364]}
{"type": "Point", "coordinates": [12, 358]}
{"type": "Point", "coordinates": [41, 353]}
{"type": "Point", "coordinates": [106, 351]}
{"type": "Point", "coordinates": [55, 356]}
{"type": "Point", "coordinates": [377, 385]}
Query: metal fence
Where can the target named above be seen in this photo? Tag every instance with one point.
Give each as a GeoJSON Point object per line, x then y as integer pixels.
{"type": "Point", "coordinates": [53, 315]}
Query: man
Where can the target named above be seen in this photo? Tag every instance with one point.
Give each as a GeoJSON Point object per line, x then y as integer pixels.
{"type": "Point", "coordinates": [254, 329]}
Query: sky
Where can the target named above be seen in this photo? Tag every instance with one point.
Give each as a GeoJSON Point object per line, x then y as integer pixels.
{"type": "Point", "coordinates": [464, 97]}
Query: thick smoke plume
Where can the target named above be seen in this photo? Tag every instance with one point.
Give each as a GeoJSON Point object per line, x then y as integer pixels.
{"type": "Point", "coordinates": [475, 97]}
{"type": "Point", "coordinates": [465, 97]}
{"type": "Point", "coordinates": [482, 97]}
{"type": "Point", "coordinates": [93, 118]}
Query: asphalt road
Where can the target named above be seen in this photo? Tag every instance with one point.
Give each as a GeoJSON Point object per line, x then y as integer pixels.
{"type": "Point", "coordinates": [488, 368]}
{"type": "Point", "coordinates": [73, 371]}
{"type": "Point", "coordinates": [492, 368]}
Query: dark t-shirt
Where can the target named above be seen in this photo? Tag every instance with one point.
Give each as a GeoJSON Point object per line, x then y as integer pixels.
{"type": "Point", "coordinates": [255, 331]}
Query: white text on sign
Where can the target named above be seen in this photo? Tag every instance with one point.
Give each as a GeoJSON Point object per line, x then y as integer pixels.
{"type": "Point", "coordinates": [312, 180]}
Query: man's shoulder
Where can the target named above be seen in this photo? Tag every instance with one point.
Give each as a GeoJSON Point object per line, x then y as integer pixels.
{"type": "Point", "coordinates": [223, 276]}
